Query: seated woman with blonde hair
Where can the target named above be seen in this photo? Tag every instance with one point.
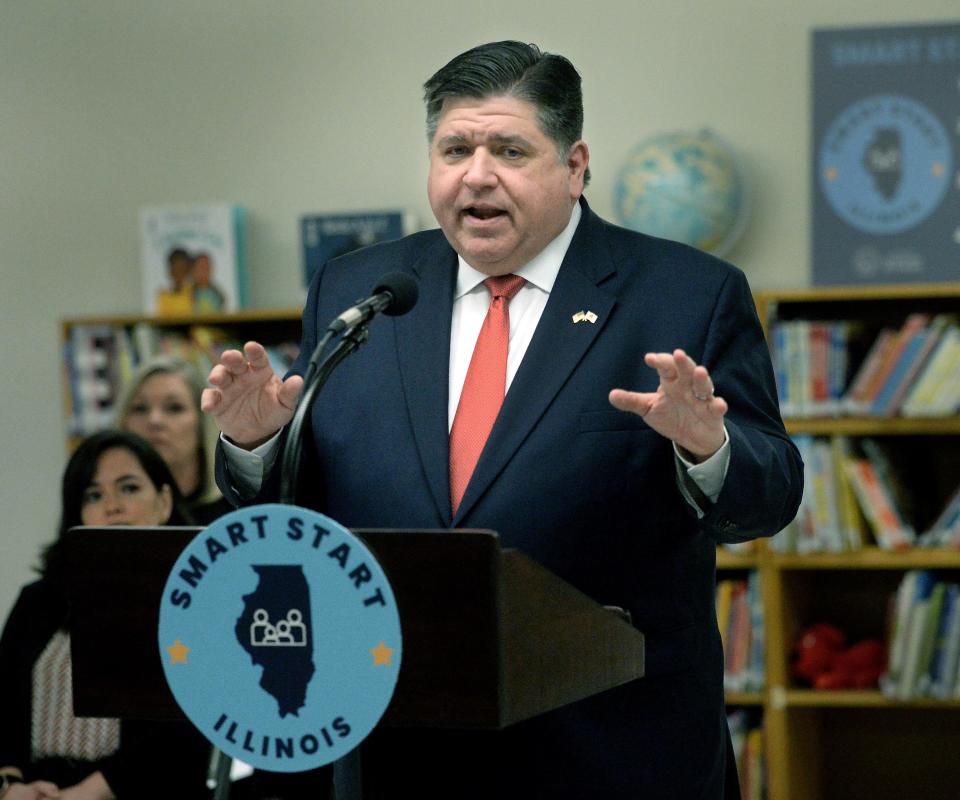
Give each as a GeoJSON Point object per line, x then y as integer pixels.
{"type": "Point", "coordinates": [162, 404]}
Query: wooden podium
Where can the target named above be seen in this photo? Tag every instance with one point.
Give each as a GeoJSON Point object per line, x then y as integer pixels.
{"type": "Point", "coordinates": [489, 636]}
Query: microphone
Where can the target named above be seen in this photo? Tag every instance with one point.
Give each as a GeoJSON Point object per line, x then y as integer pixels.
{"type": "Point", "coordinates": [395, 294]}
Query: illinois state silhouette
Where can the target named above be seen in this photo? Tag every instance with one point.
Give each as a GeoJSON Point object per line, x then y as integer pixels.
{"type": "Point", "coordinates": [275, 629]}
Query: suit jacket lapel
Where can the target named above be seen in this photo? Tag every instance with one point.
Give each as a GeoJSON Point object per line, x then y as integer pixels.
{"type": "Point", "coordinates": [557, 347]}
{"type": "Point", "coordinates": [423, 349]}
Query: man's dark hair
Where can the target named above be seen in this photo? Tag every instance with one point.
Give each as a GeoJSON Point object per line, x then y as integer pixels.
{"type": "Point", "coordinates": [547, 81]}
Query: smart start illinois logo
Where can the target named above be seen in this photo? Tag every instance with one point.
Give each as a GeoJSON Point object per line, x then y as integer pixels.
{"type": "Point", "coordinates": [280, 637]}
{"type": "Point", "coordinates": [885, 164]}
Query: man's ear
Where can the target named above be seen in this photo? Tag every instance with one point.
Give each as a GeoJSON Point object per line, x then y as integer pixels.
{"type": "Point", "coordinates": [577, 162]}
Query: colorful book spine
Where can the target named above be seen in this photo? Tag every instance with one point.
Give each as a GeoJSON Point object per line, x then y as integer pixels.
{"type": "Point", "coordinates": [848, 511]}
{"type": "Point", "coordinates": [857, 397]}
{"type": "Point", "coordinates": [911, 326]}
{"type": "Point", "coordinates": [922, 398]}
{"type": "Point", "coordinates": [878, 506]}
{"type": "Point", "coordinates": [945, 644]}
{"type": "Point", "coordinates": [899, 625]}
{"type": "Point", "coordinates": [929, 340]}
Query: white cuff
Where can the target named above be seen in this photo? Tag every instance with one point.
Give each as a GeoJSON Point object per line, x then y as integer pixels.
{"type": "Point", "coordinates": [248, 467]}
{"type": "Point", "coordinates": [709, 475]}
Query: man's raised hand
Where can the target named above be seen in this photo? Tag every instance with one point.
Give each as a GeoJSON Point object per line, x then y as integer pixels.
{"type": "Point", "coordinates": [248, 400]}
{"type": "Point", "coordinates": [684, 408]}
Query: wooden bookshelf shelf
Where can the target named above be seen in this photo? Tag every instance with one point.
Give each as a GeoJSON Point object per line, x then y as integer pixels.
{"type": "Point", "coordinates": [864, 698]}
{"type": "Point", "coordinates": [232, 319]}
{"type": "Point", "coordinates": [869, 558]}
{"type": "Point", "coordinates": [875, 426]}
{"type": "Point", "coordinates": [101, 351]}
{"type": "Point", "coordinates": [819, 744]}
{"type": "Point", "coordinates": [847, 294]}
{"type": "Point", "coordinates": [744, 698]}
{"type": "Point", "coordinates": [730, 560]}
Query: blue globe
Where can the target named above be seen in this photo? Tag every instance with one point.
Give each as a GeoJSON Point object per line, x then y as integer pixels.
{"type": "Point", "coordinates": [684, 186]}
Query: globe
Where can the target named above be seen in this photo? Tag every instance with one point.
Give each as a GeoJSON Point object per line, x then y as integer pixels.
{"type": "Point", "coordinates": [684, 186]}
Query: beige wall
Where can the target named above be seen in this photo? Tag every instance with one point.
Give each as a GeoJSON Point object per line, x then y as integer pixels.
{"type": "Point", "coordinates": [292, 107]}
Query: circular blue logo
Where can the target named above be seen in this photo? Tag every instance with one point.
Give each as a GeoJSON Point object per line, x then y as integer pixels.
{"type": "Point", "coordinates": [280, 637]}
{"type": "Point", "coordinates": [885, 164]}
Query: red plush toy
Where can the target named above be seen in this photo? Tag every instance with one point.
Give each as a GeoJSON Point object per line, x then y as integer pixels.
{"type": "Point", "coordinates": [822, 659]}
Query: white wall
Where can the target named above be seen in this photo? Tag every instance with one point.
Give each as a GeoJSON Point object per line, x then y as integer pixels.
{"type": "Point", "coordinates": [293, 106]}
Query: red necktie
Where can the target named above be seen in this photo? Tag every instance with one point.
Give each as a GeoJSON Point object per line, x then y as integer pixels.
{"type": "Point", "coordinates": [483, 388]}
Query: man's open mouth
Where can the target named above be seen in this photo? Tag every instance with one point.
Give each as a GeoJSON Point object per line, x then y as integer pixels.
{"type": "Point", "coordinates": [483, 212]}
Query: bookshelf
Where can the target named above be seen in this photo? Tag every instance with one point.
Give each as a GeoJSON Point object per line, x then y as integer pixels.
{"type": "Point", "coordinates": [101, 352]}
{"type": "Point", "coordinates": [855, 743]}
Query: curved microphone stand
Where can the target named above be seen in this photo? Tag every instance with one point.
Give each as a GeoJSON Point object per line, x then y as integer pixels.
{"type": "Point", "coordinates": [316, 375]}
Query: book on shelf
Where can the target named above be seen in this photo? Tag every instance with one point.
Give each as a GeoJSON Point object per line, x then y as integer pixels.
{"type": "Point", "coordinates": [905, 687]}
{"type": "Point", "coordinates": [924, 638]}
{"type": "Point", "coordinates": [943, 662]}
{"type": "Point", "coordinates": [927, 396]}
{"type": "Point", "coordinates": [747, 743]}
{"type": "Point", "coordinates": [944, 531]}
{"type": "Point", "coordinates": [736, 676]}
{"type": "Point", "coordinates": [829, 517]}
{"type": "Point", "coordinates": [756, 662]}
{"type": "Point", "coordinates": [724, 595]}
{"type": "Point", "coordinates": [851, 520]}
{"type": "Point", "coordinates": [90, 354]}
{"type": "Point", "coordinates": [917, 350]}
{"type": "Point", "coordinates": [856, 399]}
{"type": "Point", "coordinates": [754, 768]}
{"type": "Point", "coordinates": [810, 361]}
{"type": "Point", "coordinates": [877, 502]}
{"type": "Point", "coordinates": [893, 358]}
{"type": "Point", "coordinates": [737, 724]}
{"type": "Point", "coordinates": [193, 259]}
{"type": "Point", "coordinates": [888, 475]}
{"type": "Point", "coordinates": [913, 584]}
{"type": "Point", "coordinates": [326, 236]}
{"type": "Point", "coordinates": [917, 683]}
{"type": "Point", "coordinates": [740, 620]}
{"type": "Point", "coordinates": [803, 530]}
{"type": "Point", "coordinates": [819, 370]}
{"type": "Point", "coordinates": [825, 496]}
{"type": "Point", "coordinates": [100, 359]}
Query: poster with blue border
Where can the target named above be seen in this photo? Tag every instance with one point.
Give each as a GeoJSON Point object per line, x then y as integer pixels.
{"type": "Point", "coordinates": [886, 140]}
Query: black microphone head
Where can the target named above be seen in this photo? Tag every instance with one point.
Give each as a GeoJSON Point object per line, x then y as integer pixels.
{"type": "Point", "coordinates": [402, 288]}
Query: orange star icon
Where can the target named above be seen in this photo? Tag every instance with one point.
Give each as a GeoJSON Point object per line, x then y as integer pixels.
{"type": "Point", "coordinates": [381, 655]}
{"type": "Point", "coordinates": [178, 652]}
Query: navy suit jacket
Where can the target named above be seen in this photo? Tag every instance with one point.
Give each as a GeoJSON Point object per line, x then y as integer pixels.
{"type": "Point", "coordinates": [588, 491]}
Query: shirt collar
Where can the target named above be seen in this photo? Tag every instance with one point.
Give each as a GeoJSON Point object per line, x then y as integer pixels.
{"type": "Point", "coordinates": [541, 271]}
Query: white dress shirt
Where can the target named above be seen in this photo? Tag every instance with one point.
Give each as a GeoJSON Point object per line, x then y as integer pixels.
{"type": "Point", "coordinates": [470, 304]}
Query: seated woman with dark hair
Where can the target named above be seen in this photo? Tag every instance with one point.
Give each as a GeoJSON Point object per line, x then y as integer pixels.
{"type": "Point", "coordinates": [113, 478]}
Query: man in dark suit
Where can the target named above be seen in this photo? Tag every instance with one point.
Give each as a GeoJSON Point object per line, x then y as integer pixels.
{"type": "Point", "coordinates": [624, 493]}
